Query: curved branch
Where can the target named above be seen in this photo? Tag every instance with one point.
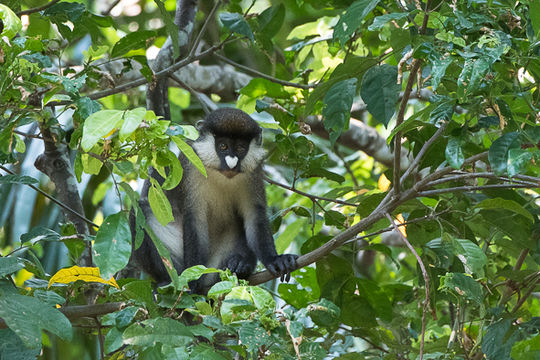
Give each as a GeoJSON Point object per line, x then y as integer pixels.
{"type": "Point", "coordinates": [36, 9]}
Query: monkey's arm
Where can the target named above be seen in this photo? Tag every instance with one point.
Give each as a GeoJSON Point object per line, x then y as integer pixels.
{"type": "Point", "coordinates": [259, 236]}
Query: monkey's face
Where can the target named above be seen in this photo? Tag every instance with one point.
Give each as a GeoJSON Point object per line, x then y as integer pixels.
{"type": "Point", "coordinates": [229, 155]}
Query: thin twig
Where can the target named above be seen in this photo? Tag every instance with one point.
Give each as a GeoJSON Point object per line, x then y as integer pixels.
{"type": "Point", "coordinates": [109, 9]}
{"type": "Point", "coordinates": [403, 106]}
{"type": "Point", "coordinates": [470, 188]}
{"type": "Point", "coordinates": [426, 282]}
{"type": "Point", "coordinates": [57, 202]}
{"type": "Point", "coordinates": [423, 151]}
{"type": "Point", "coordinates": [37, 9]}
{"type": "Point", "coordinates": [462, 175]}
{"type": "Point", "coordinates": [262, 75]}
{"type": "Point", "coordinates": [310, 196]}
{"type": "Point", "coordinates": [203, 28]}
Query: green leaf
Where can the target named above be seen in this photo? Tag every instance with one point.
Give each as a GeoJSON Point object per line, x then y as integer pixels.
{"type": "Point", "coordinates": [220, 288]}
{"type": "Point", "coordinates": [10, 21]}
{"type": "Point", "coordinates": [159, 330]}
{"type": "Point", "coordinates": [324, 313]}
{"type": "Point", "coordinates": [258, 87]}
{"type": "Point", "coordinates": [28, 317]}
{"type": "Point", "coordinates": [205, 352]}
{"type": "Point", "coordinates": [439, 65]}
{"type": "Point", "coordinates": [534, 13]}
{"type": "Point", "coordinates": [98, 125]}
{"type": "Point", "coordinates": [132, 120]}
{"type": "Point", "coordinates": [471, 255]}
{"type": "Point", "coordinates": [462, 286]}
{"type": "Point", "coordinates": [498, 152]}
{"type": "Point", "coordinates": [498, 340]}
{"type": "Point", "coordinates": [288, 235]}
{"type": "Point", "coordinates": [18, 179]}
{"type": "Point", "coordinates": [527, 349]}
{"type": "Point", "coordinates": [175, 172]}
{"type": "Point", "coordinates": [236, 23]}
{"type": "Point", "coordinates": [12, 347]}
{"type": "Point", "coordinates": [64, 10]}
{"type": "Point", "coordinates": [454, 153]}
{"type": "Point", "coordinates": [500, 203]}
{"type": "Point", "coordinates": [380, 92]}
{"type": "Point", "coordinates": [160, 205]}
{"type": "Point", "coordinates": [380, 21]}
{"type": "Point", "coordinates": [253, 336]}
{"type": "Point", "coordinates": [271, 20]}
{"type": "Point", "coordinates": [351, 20]}
{"type": "Point", "coordinates": [39, 233]}
{"type": "Point", "coordinates": [49, 297]}
{"type": "Point", "coordinates": [189, 154]}
{"type": "Point", "coordinates": [474, 71]}
{"type": "Point", "coordinates": [172, 29]}
{"type": "Point", "coordinates": [10, 265]}
{"type": "Point", "coordinates": [518, 160]}
{"type": "Point", "coordinates": [132, 41]}
{"type": "Point", "coordinates": [112, 246]}
{"type": "Point", "coordinates": [337, 110]}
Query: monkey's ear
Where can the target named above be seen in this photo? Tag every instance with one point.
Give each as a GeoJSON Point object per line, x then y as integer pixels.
{"type": "Point", "coordinates": [258, 139]}
{"type": "Point", "coordinates": [199, 125]}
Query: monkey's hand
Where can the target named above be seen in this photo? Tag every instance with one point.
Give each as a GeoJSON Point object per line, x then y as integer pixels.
{"type": "Point", "coordinates": [282, 266]}
{"type": "Point", "coordinates": [241, 266]}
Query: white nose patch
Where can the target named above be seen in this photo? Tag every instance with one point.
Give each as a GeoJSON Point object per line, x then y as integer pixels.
{"type": "Point", "coordinates": [231, 161]}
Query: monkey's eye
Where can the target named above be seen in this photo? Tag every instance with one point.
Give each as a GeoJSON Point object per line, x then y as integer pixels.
{"type": "Point", "coordinates": [240, 149]}
{"type": "Point", "coordinates": [223, 147]}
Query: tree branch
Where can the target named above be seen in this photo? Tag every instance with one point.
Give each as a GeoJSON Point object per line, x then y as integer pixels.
{"type": "Point", "coordinates": [470, 188]}
{"type": "Point", "coordinates": [37, 9]}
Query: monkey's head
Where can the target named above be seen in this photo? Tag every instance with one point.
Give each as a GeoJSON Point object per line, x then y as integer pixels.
{"type": "Point", "coordinates": [230, 142]}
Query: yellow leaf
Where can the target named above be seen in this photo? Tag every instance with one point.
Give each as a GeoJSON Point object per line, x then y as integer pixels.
{"type": "Point", "coordinates": [401, 220]}
{"type": "Point", "coordinates": [86, 274]}
{"type": "Point", "coordinates": [384, 183]}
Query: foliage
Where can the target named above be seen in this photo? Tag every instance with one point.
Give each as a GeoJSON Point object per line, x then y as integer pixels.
{"type": "Point", "coordinates": [469, 197]}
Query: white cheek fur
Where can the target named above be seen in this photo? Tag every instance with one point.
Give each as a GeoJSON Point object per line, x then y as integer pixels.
{"type": "Point", "coordinates": [206, 149]}
{"type": "Point", "coordinates": [254, 157]}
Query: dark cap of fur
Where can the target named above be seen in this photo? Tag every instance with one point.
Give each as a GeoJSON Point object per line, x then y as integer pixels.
{"type": "Point", "coordinates": [231, 123]}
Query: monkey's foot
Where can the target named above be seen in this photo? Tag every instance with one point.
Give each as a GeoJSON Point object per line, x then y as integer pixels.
{"type": "Point", "coordinates": [240, 266]}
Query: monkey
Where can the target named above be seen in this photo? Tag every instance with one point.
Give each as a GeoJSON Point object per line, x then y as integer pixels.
{"type": "Point", "coordinates": [220, 220]}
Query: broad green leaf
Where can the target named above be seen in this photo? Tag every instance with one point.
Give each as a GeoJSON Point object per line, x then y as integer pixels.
{"type": "Point", "coordinates": [500, 203]}
{"type": "Point", "coordinates": [28, 317]}
{"type": "Point", "coordinates": [12, 347]}
{"type": "Point", "coordinates": [220, 288]}
{"type": "Point", "coordinates": [380, 21]}
{"type": "Point", "coordinates": [324, 313]}
{"type": "Point", "coordinates": [337, 111]}
{"type": "Point", "coordinates": [205, 352]}
{"type": "Point", "coordinates": [65, 10]}
{"type": "Point", "coordinates": [172, 29]}
{"type": "Point", "coordinates": [236, 23]}
{"type": "Point", "coordinates": [380, 92]}
{"type": "Point", "coordinates": [351, 20]}
{"type": "Point", "coordinates": [10, 21]}
{"type": "Point", "coordinates": [112, 246]}
{"type": "Point", "coordinates": [90, 164]}
{"type": "Point", "coordinates": [498, 152]}
{"type": "Point", "coordinates": [10, 265]}
{"type": "Point", "coordinates": [132, 120]}
{"type": "Point", "coordinates": [49, 297]}
{"type": "Point", "coordinates": [271, 20]}
{"type": "Point", "coordinates": [438, 69]}
{"type": "Point", "coordinates": [99, 125]}
{"type": "Point", "coordinates": [474, 71]}
{"type": "Point", "coordinates": [527, 349]}
{"type": "Point", "coordinates": [258, 87]}
{"type": "Point", "coordinates": [462, 286]}
{"type": "Point", "coordinates": [39, 233]}
{"type": "Point", "coordinates": [159, 330]}
{"type": "Point", "coordinates": [253, 335]}
{"type": "Point", "coordinates": [132, 41]}
{"type": "Point", "coordinates": [534, 13]}
{"type": "Point", "coordinates": [518, 160]}
{"type": "Point", "coordinates": [18, 179]}
{"type": "Point", "coordinates": [471, 255]}
{"type": "Point", "coordinates": [498, 340]}
{"type": "Point", "coordinates": [289, 234]}
{"type": "Point", "coordinates": [195, 272]}
{"type": "Point", "coordinates": [189, 153]}
{"type": "Point", "coordinates": [175, 172]}
{"type": "Point", "coordinates": [160, 205]}
{"type": "Point", "coordinates": [454, 153]}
